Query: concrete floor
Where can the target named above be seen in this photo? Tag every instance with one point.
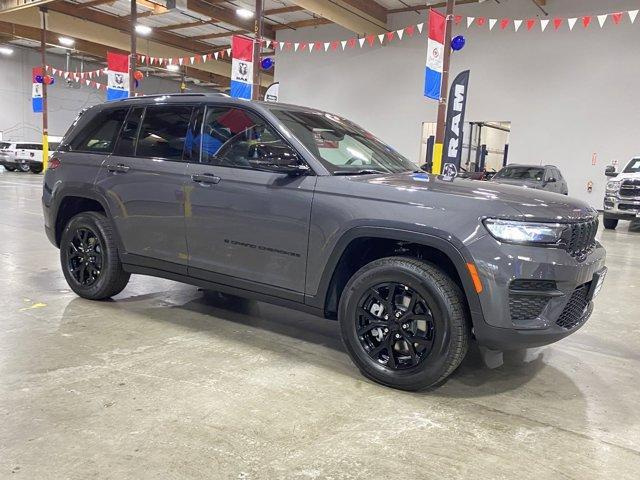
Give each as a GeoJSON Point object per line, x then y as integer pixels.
{"type": "Point", "coordinates": [162, 383]}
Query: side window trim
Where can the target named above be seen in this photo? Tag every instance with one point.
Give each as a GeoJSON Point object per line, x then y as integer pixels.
{"type": "Point", "coordinates": [96, 152]}
{"type": "Point", "coordinates": [198, 108]}
{"type": "Point", "coordinates": [142, 119]}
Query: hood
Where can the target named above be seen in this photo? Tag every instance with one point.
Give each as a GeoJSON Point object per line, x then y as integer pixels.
{"type": "Point", "coordinates": [488, 198]}
{"type": "Point", "coordinates": [515, 181]}
{"type": "Point", "coordinates": [624, 176]}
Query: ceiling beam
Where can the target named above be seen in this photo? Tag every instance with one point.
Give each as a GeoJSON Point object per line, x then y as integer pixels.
{"type": "Point", "coordinates": [210, 36]}
{"type": "Point", "coordinates": [114, 38]}
{"type": "Point", "coordinates": [417, 8]}
{"type": "Point", "coordinates": [281, 10]}
{"type": "Point", "coordinates": [14, 5]}
{"type": "Point", "coordinates": [311, 22]}
{"type": "Point", "coordinates": [178, 26]}
{"type": "Point", "coordinates": [95, 3]}
{"type": "Point", "coordinates": [348, 14]}
{"type": "Point", "coordinates": [226, 15]}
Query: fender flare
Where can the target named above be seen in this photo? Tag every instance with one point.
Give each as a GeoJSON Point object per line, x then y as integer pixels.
{"type": "Point", "coordinates": [456, 252]}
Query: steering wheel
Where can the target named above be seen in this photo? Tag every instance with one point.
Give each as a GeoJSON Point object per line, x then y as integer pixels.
{"type": "Point", "coordinates": [353, 160]}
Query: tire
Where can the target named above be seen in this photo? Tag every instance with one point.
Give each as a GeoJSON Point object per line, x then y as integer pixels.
{"type": "Point", "coordinates": [9, 169]}
{"type": "Point", "coordinates": [23, 167]}
{"type": "Point", "coordinates": [449, 331]}
{"type": "Point", "coordinates": [100, 243]}
{"type": "Point", "coordinates": [610, 223]}
{"type": "Point", "coordinates": [35, 169]}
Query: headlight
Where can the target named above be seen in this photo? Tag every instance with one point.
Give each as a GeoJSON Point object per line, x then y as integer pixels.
{"type": "Point", "coordinates": [613, 186]}
{"type": "Point", "coordinates": [525, 232]}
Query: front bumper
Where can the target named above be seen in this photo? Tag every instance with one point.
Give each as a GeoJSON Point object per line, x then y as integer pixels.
{"type": "Point", "coordinates": [552, 312]}
{"type": "Point", "coordinates": [621, 207]}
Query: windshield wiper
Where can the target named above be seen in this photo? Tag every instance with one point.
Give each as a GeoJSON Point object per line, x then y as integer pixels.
{"type": "Point", "coordinates": [364, 171]}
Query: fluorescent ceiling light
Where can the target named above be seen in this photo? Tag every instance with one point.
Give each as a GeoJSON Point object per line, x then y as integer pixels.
{"type": "Point", "coordinates": [244, 13]}
{"type": "Point", "coordinates": [6, 50]}
{"type": "Point", "coordinates": [172, 67]}
{"type": "Point", "coordinates": [66, 41]}
{"type": "Point", "coordinates": [143, 29]}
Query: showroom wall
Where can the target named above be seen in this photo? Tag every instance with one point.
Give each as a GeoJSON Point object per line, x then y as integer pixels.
{"type": "Point", "coordinates": [567, 95]}
{"type": "Point", "coordinates": [17, 120]}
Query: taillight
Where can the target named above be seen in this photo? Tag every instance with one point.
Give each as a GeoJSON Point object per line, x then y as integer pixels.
{"type": "Point", "coordinates": [53, 163]}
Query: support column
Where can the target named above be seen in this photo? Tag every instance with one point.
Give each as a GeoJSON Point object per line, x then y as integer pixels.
{"type": "Point", "coordinates": [132, 58]}
{"type": "Point", "coordinates": [257, 49]}
{"type": "Point", "coordinates": [444, 93]}
{"type": "Point", "coordinates": [45, 117]}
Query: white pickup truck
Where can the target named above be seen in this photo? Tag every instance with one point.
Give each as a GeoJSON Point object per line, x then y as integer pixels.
{"type": "Point", "coordinates": [622, 195]}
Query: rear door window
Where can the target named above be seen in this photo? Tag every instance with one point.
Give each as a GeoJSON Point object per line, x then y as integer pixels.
{"type": "Point", "coordinates": [164, 131]}
{"type": "Point", "coordinates": [100, 133]}
{"type": "Point", "coordinates": [129, 133]}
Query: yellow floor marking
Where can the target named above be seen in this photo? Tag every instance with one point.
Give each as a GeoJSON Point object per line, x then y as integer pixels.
{"type": "Point", "coordinates": [35, 305]}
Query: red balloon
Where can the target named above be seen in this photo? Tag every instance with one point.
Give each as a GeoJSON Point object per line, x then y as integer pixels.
{"type": "Point", "coordinates": [47, 79]}
{"type": "Point", "coordinates": [138, 75]}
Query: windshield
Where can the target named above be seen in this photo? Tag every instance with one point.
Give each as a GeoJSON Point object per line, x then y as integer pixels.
{"type": "Point", "coordinates": [343, 147]}
{"type": "Point", "coordinates": [521, 173]}
{"type": "Point", "coordinates": [633, 166]}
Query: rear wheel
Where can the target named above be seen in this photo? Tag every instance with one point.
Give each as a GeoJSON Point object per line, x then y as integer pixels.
{"type": "Point", "coordinates": [404, 323]}
{"type": "Point", "coordinates": [89, 257]}
{"type": "Point", "coordinates": [9, 168]}
{"type": "Point", "coordinates": [23, 167]}
{"type": "Point", "coordinates": [610, 223]}
{"type": "Point", "coordinates": [35, 168]}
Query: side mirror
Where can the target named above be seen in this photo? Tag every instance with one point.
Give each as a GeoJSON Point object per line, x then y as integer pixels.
{"type": "Point", "coordinates": [610, 171]}
{"type": "Point", "coordinates": [276, 159]}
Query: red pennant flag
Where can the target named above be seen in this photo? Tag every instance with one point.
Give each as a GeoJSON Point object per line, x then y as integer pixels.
{"type": "Point", "coordinates": [390, 36]}
{"type": "Point", "coordinates": [334, 45]}
{"type": "Point", "coordinates": [371, 39]}
{"type": "Point", "coordinates": [504, 23]}
{"type": "Point", "coordinates": [557, 22]}
{"type": "Point", "coordinates": [530, 23]}
{"type": "Point", "coordinates": [586, 20]}
{"type": "Point", "coordinates": [318, 46]}
{"type": "Point", "coordinates": [616, 17]}
{"type": "Point", "coordinates": [288, 45]}
{"type": "Point", "coordinates": [351, 42]}
{"type": "Point", "coordinates": [457, 19]}
{"type": "Point", "coordinates": [481, 21]}
{"type": "Point", "coordinates": [303, 45]}
{"type": "Point", "coordinates": [411, 29]}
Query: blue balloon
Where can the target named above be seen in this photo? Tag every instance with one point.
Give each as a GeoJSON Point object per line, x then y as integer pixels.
{"type": "Point", "coordinates": [53, 80]}
{"type": "Point", "coordinates": [266, 63]}
{"type": "Point", "coordinates": [39, 79]}
{"type": "Point", "coordinates": [457, 43]}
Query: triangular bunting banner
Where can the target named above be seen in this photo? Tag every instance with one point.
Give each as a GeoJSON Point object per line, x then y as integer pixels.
{"type": "Point", "coordinates": [381, 37]}
{"type": "Point", "coordinates": [632, 15]}
{"type": "Point", "coordinates": [296, 46]}
{"type": "Point", "coordinates": [516, 24]}
{"type": "Point", "coordinates": [400, 33]}
{"type": "Point", "coordinates": [492, 23]}
{"type": "Point", "coordinates": [543, 24]}
{"type": "Point", "coordinates": [361, 41]}
{"type": "Point", "coordinates": [602, 19]}
{"type": "Point", "coordinates": [326, 46]}
{"type": "Point", "coordinates": [557, 22]}
{"type": "Point", "coordinates": [586, 21]}
{"type": "Point", "coordinates": [571, 22]}
{"type": "Point", "coordinates": [470, 21]}
{"type": "Point", "coordinates": [616, 17]}
{"type": "Point", "coordinates": [530, 23]}
{"type": "Point", "coordinates": [421, 25]}
{"type": "Point", "coordinates": [343, 43]}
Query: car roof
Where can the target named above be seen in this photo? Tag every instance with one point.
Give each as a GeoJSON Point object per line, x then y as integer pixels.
{"type": "Point", "coordinates": [524, 165]}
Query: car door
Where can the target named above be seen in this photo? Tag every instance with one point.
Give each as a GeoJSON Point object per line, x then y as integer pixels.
{"type": "Point", "coordinates": [241, 222]}
{"type": "Point", "coordinates": [144, 180]}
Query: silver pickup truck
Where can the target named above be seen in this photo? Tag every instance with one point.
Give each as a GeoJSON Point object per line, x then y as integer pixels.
{"type": "Point", "coordinates": [622, 196]}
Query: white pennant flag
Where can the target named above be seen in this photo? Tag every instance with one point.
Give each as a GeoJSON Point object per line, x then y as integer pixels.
{"type": "Point", "coordinates": [267, 42]}
{"type": "Point", "coordinates": [381, 37]}
{"type": "Point", "coordinates": [632, 15]}
{"type": "Point", "coordinates": [229, 51]}
{"type": "Point", "coordinates": [180, 60]}
{"type": "Point", "coordinates": [192, 60]}
{"type": "Point", "coordinates": [420, 25]}
{"type": "Point", "coordinates": [361, 41]}
{"type": "Point", "coordinates": [326, 46]}
{"type": "Point", "coordinates": [400, 33]}
{"type": "Point", "coordinates": [571, 22]}
{"type": "Point", "coordinates": [296, 45]}
{"type": "Point", "coordinates": [517, 24]}
{"type": "Point", "coordinates": [543, 24]}
{"type": "Point", "coordinates": [470, 21]}
{"type": "Point", "coordinates": [142, 58]}
{"type": "Point", "coordinates": [204, 57]}
{"type": "Point", "coordinates": [492, 23]}
{"type": "Point", "coordinates": [87, 82]}
{"type": "Point", "coordinates": [343, 43]}
{"type": "Point", "coordinates": [602, 19]}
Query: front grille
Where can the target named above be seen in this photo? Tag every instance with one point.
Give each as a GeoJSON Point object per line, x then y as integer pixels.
{"type": "Point", "coordinates": [627, 206]}
{"type": "Point", "coordinates": [630, 188]}
{"type": "Point", "coordinates": [581, 237]}
{"type": "Point", "coordinates": [577, 310]}
{"type": "Point", "coordinates": [526, 307]}
{"type": "Point", "coordinates": [535, 285]}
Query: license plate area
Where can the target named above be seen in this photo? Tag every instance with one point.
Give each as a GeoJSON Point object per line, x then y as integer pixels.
{"type": "Point", "coordinates": [596, 283]}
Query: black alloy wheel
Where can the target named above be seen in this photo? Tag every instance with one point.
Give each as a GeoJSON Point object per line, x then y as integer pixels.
{"type": "Point", "coordinates": [85, 257]}
{"type": "Point", "coordinates": [395, 325]}
{"type": "Point", "coordinates": [23, 167]}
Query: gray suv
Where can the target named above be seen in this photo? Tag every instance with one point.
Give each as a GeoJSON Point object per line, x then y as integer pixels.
{"type": "Point", "coordinates": [307, 210]}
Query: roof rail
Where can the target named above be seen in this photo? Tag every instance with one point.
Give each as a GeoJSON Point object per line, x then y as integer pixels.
{"type": "Point", "coordinates": [158, 95]}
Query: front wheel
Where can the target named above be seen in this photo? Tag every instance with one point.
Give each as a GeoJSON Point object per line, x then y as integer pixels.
{"type": "Point", "coordinates": [404, 323]}
{"type": "Point", "coordinates": [89, 257]}
{"type": "Point", "coordinates": [610, 223]}
{"type": "Point", "coordinates": [23, 167]}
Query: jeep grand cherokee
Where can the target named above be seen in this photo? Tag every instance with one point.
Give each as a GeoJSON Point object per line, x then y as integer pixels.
{"type": "Point", "coordinates": [305, 209]}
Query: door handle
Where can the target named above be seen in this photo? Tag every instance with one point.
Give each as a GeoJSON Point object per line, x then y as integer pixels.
{"type": "Point", "coordinates": [120, 168]}
{"type": "Point", "coordinates": [205, 178]}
